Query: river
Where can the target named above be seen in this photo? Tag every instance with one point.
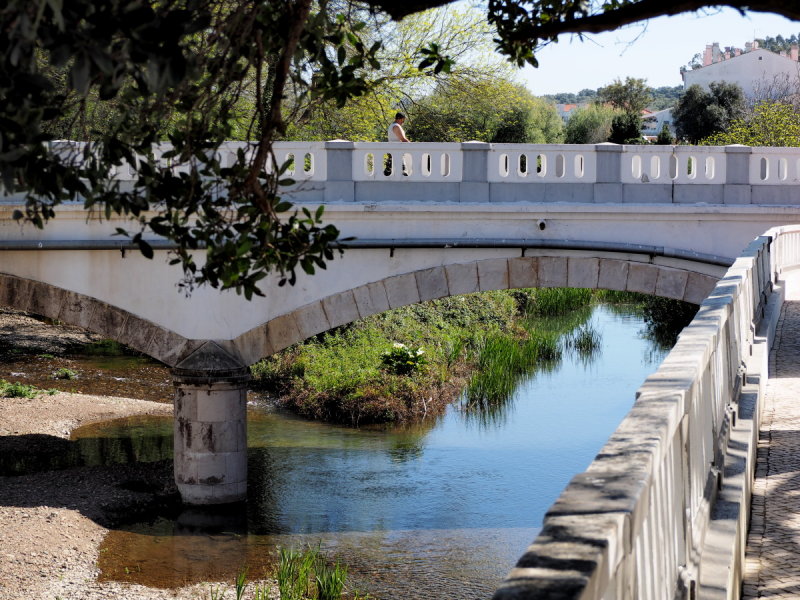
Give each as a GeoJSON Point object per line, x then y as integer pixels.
{"type": "Point", "coordinates": [440, 510]}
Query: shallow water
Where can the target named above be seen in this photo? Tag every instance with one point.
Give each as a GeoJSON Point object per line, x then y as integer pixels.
{"type": "Point", "coordinates": [441, 510]}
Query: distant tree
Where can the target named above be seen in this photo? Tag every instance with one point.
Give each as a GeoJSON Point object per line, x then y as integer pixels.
{"type": "Point", "coordinates": [626, 128]}
{"type": "Point", "coordinates": [489, 110]}
{"type": "Point", "coordinates": [590, 125]}
{"type": "Point", "coordinates": [700, 114]}
{"type": "Point", "coordinates": [770, 124]}
{"type": "Point", "coordinates": [631, 96]}
{"type": "Point", "coordinates": [665, 136]}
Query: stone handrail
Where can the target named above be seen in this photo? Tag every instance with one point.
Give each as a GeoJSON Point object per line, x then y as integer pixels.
{"type": "Point", "coordinates": [662, 511]}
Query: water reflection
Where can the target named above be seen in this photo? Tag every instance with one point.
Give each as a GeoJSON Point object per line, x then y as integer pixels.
{"type": "Point", "coordinates": [441, 510]}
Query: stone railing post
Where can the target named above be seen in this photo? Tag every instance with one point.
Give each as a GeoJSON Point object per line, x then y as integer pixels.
{"type": "Point", "coordinates": [210, 427]}
{"type": "Point", "coordinates": [474, 186]}
{"type": "Point", "coordinates": [737, 175]}
{"type": "Point", "coordinates": [339, 186]}
{"type": "Point", "coordinates": [608, 186]}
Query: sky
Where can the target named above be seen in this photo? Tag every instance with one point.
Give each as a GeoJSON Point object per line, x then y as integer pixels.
{"type": "Point", "coordinates": [654, 51]}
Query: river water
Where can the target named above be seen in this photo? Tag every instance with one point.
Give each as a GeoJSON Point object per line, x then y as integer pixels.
{"type": "Point", "coordinates": [441, 510]}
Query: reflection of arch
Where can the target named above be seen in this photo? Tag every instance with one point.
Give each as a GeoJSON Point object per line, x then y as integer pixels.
{"type": "Point", "coordinates": [689, 282]}
{"type": "Point", "coordinates": [99, 317]}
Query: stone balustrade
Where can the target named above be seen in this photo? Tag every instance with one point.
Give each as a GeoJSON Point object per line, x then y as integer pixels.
{"type": "Point", "coordinates": [663, 510]}
{"type": "Point", "coordinates": [343, 171]}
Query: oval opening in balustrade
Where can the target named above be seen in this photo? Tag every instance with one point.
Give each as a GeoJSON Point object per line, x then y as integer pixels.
{"type": "Point", "coordinates": [541, 165]}
{"type": "Point", "coordinates": [655, 167]}
{"type": "Point", "coordinates": [763, 171]}
{"type": "Point", "coordinates": [502, 166]}
{"type": "Point", "coordinates": [561, 166]}
{"type": "Point", "coordinates": [522, 165]}
{"type": "Point", "coordinates": [783, 169]}
{"type": "Point", "coordinates": [691, 167]}
{"type": "Point", "coordinates": [308, 164]}
{"type": "Point", "coordinates": [445, 165]}
{"type": "Point", "coordinates": [673, 166]}
{"type": "Point", "coordinates": [579, 165]}
{"type": "Point", "coordinates": [711, 166]}
{"type": "Point", "coordinates": [636, 167]}
{"type": "Point", "coordinates": [426, 166]}
{"type": "Point", "coordinates": [287, 164]}
{"type": "Point", "coordinates": [369, 163]}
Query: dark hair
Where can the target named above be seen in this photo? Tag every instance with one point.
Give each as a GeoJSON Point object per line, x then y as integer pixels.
{"type": "Point", "coordinates": [399, 116]}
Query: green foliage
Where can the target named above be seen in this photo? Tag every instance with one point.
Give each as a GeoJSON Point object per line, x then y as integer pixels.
{"type": "Point", "coordinates": [626, 128]}
{"type": "Point", "coordinates": [64, 373]}
{"type": "Point", "coordinates": [770, 124]}
{"type": "Point", "coordinates": [17, 390]}
{"type": "Point", "coordinates": [402, 360]}
{"type": "Point", "coordinates": [330, 580]}
{"type": "Point", "coordinates": [550, 302]}
{"type": "Point", "coordinates": [502, 361]}
{"type": "Point", "coordinates": [20, 390]}
{"type": "Point", "coordinates": [294, 572]}
{"type": "Point", "coordinates": [665, 136]}
{"type": "Point", "coordinates": [489, 109]}
{"type": "Point", "coordinates": [590, 125]}
{"type": "Point", "coordinates": [631, 96]}
{"type": "Point", "coordinates": [700, 114]}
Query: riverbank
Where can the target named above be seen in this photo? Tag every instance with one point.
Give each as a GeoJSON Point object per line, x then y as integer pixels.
{"type": "Point", "coordinates": [52, 523]}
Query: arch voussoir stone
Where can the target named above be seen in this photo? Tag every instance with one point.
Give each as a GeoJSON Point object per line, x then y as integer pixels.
{"type": "Point", "coordinates": [341, 308]}
{"type": "Point", "coordinates": [671, 283]}
{"type": "Point", "coordinates": [370, 299]}
{"type": "Point", "coordinates": [642, 278]}
{"type": "Point", "coordinates": [432, 284]}
{"type": "Point", "coordinates": [462, 278]}
{"type": "Point", "coordinates": [523, 272]}
{"type": "Point", "coordinates": [582, 272]}
{"type": "Point", "coordinates": [493, 274]}
{"type": "Point", "coordinates": [401, 290]}
{"type": "Point", "coordinates": [552, 271]}
{"type": "Point", "coordinates": [612, 274]}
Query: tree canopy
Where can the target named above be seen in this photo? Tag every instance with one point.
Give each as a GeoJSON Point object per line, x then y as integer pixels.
{"type": "Point", "coordinates": [702, 113]}
{"type": "Point", "coordinates": [769, 124]}
{"type": "Point", "coordinates": [123, 74]}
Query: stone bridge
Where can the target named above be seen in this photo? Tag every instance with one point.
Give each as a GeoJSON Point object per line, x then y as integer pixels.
{"type": "Point", "coordinates": [455, 219]}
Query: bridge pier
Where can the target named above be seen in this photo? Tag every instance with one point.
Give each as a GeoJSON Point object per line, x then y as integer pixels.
{"type": "Point", "coordinates": [210, 444]}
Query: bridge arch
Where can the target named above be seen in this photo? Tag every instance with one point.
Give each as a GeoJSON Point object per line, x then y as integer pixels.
{"type": "Point", "coordinates": [680, 280]}
{"type": "Point", "coordinates": [86, 312]}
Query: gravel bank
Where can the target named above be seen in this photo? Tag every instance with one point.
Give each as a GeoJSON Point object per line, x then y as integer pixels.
{"type": "Point", "coordinates": [52, 523]}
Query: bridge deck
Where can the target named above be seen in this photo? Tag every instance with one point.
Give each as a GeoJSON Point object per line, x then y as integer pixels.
{"type": "Point", "coordinates": [773, 544]}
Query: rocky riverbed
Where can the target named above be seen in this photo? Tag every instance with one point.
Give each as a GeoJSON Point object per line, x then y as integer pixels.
{"type": "Point", "coordinates": [53, 522]}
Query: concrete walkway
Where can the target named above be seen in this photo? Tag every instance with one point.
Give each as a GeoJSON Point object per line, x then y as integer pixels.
{"type": "Point", "coordinates": [772, 567]}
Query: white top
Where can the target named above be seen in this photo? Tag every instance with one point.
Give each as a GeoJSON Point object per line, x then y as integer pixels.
{"type": "Point", "coordinates": [396, 133]}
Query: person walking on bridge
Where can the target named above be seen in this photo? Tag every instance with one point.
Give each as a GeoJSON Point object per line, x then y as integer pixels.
{"type": "Point", "coordinates": [396, 134]}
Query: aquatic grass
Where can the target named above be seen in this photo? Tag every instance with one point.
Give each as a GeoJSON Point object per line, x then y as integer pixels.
{"type": "Point", "coordinates": [64, 373]}
{"type": "Point", "coordinates": [241, 583]}
{"type": "Point", "coordinates": [585, 341]}
{"type": "Point", "coordinates": [294, 572]}
{"type": "Point", "coordinates": [330, 580]}
{"type": "Point", "coordinates": [548, 302]}
{"type": "Point", "coordinates": [502, 362]}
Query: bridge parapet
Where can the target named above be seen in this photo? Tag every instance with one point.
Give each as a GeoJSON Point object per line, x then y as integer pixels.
{"type": "Point", "coordinates": [343, 171]}
{"type": "Point", "coordinates": [663, 510]}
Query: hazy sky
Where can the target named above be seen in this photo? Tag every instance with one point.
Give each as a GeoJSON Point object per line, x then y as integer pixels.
{"type": "Point", "coordinates": [654, 51]}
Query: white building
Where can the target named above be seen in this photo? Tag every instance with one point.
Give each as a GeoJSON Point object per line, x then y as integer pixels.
{"type": "Point", "coordinates": [760, 73]}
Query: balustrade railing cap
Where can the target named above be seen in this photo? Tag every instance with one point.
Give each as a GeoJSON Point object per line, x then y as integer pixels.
{"type": "Point", "coordinates": [608, 147]}
{"type": "Point", "coordinates": [738, 149]}
{"type": "Point", "coordinates": [339, 144]}
{"type": "Point", "coordinates": [475, 145]}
